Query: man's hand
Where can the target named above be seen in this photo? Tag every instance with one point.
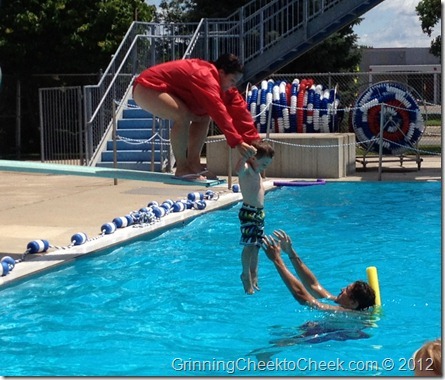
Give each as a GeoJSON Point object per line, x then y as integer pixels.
{"type": "Point", "coordinates": [272, 248]}
{"type": "Point", "coordinates": [285, 241]}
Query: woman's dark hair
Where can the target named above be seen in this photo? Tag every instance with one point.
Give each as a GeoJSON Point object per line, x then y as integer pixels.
{"type": "Point", "coordinates": [229, 63]}
{"type": "Point", "coordinates": [362, 293]}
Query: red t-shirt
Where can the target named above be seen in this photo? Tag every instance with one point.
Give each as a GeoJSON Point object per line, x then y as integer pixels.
{"type": "Point", "coordinates": [196, 83]}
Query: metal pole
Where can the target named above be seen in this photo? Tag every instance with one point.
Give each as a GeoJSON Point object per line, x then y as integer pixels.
{"type": "Point", "coordinates": [269, 118]}
{"type": "Point", "coordinates": [42, 128]}
{"type": "Point", "coordinates": [18, 121]}
{"type": "Point", "coordinates": [153, 129]}
{"type": "Point", "coordinates": [114, 140]}
{"type": "Point", "coordinates": [382, 120]}
{"type": "Point", "coordinates": [229, 177]}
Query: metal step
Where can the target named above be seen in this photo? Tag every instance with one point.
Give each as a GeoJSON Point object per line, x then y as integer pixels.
{"type": "Point", "coordinates": [136, 113]}
{"type": "Point", "coordinates": [137, 123]}
{"type": "Point", "coordinates": [145, 166]}
{"type": "Point", "coordinates": [125, 145]}
{"type": "Point", "coordinates": [136, 134]}
{"type": "Point", "coordinates": [131, 155]}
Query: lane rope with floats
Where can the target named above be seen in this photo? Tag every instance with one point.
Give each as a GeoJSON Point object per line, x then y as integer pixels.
{"type": "Point", "coordinates": [145, 216]}
{"type": "Point", "coordinates": [297, 107]}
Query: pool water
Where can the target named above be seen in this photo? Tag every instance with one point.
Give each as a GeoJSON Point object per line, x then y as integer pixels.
{"type": "Point", "coordinates": [173, 304]}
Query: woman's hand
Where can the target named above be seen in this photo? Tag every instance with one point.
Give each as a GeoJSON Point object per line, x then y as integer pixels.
{"type": "Point", "coordinates": [246, 150]}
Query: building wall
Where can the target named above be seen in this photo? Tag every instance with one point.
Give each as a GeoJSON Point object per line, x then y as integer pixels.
{"type": "Point", "coordinates": [397, 56]}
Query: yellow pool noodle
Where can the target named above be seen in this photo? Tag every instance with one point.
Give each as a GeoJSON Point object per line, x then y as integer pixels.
{"type": "Point", "coordinates": [373, 280]}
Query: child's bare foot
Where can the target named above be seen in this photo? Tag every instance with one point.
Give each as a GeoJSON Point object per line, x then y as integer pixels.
{"type": "Point", "coordinates": [255, 281]}
{"type": "Point", "coordinates": [247, 284]}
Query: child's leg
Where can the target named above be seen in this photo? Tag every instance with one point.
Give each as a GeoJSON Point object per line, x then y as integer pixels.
{"type": "Point", "coordinates": [254, 267]}
{"type": "Point", "coordinates": [246, 261]}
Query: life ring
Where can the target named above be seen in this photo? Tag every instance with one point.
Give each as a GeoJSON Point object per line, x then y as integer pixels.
{"type": "Point", "coordinates": [403, 122]}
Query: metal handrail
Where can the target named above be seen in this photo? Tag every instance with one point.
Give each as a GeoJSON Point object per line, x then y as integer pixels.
{"type": "Point", "coordinates": [254, 29]}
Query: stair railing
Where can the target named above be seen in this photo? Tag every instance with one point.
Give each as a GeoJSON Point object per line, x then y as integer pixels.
{"type": "Point", "coordinates": [157, 43]}
{"type": "Point", "coordinates": [255, 29]}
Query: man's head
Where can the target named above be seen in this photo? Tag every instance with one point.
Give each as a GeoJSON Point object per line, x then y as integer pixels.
{"type": "Point", "coordinates": [356, 296]}
{"type": "Point", "coordinates": [263, 156]}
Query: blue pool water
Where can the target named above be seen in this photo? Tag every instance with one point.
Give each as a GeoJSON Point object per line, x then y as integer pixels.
{"type": "Point", "coordinates": [174, 305]}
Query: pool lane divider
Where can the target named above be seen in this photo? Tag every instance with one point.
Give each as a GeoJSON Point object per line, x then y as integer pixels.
{"type": "Point", "coordinates": [145, 216]}
{"type": "Point", "coordinates": [92, 171]}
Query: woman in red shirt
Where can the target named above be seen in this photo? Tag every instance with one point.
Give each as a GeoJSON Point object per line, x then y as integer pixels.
{"type": "Point", "coordinates": [190, 92]}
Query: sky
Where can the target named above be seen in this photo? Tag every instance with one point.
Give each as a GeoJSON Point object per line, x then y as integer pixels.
{"type": "Point", "coordinates": [392, 23]}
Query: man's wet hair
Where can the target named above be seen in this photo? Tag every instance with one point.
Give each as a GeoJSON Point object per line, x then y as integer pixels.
{"type": "Point", "coordinates": [362, 293]}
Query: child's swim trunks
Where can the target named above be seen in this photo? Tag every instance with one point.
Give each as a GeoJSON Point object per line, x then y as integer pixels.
{"type": "Point", "coordinates": [252, 225]}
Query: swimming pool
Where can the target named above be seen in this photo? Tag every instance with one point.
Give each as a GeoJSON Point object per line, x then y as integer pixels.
{"type": "Point", "coordinates": [173, 304]}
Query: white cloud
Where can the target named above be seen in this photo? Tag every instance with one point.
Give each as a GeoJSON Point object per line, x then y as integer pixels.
{"type": "Point", "coordinates": [393, 23]}
{"type": "Point", "coordinates": [398, 6]}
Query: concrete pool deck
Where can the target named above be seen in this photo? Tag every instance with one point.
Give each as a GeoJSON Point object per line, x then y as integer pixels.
{"type": "Point", "coordinates": [55, 207]}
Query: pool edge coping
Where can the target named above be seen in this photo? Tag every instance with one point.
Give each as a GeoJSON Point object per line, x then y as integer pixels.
{"type": "Point", "coordinates": [41, 262]}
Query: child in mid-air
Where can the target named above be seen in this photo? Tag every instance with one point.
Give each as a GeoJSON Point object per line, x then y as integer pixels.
{"type": "Point", "coordinates": [252, 213]}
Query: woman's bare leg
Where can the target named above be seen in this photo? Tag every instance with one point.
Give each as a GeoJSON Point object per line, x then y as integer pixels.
{"type": "Point", "coordinates": [197, 137]}
{"type": "Point", "coordinates": [170, 107]}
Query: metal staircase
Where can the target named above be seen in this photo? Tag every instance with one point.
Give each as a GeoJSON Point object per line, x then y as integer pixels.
{"type": "Point", "coordinates": [319, 24]}
{"type": "Point", "coordinates": [265, 34]}
{"type": "Point", "coordinates": [141, 143]}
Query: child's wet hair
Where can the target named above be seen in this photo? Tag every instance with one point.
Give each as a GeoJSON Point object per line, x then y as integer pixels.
{"type": "Point", "coordinates": [263, 149]}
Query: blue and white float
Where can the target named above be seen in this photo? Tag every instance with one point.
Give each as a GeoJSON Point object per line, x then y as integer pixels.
{"type": "Point", "coordinates": [79, 238]}
{"type": "Point", "coordinates": [300, 106]}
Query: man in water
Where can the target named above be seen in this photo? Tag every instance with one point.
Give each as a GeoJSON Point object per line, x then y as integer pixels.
{"type": "Point", "coordinates": [356, 296]}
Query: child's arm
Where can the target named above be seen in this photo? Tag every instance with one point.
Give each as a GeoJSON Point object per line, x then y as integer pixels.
{"type": "Point", "coordinates": [241, 166]}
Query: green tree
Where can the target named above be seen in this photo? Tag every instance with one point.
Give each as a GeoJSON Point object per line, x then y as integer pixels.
{"type": "Point", "coordinates": [208, 9]}
{"type": "Point", "coordinates": [64, 36]}
{"type": "Point", "coordinates": [429, 12]}
{"type": "Point", "coordinates": [176, 11]}
{"type": "Point", "coordinates": [39, 37]}
{"type": "Point", "coordinates": [338, 53]}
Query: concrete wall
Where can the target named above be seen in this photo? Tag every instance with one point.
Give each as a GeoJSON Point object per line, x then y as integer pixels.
{"type": "Point", "coordinates": [397, 56]}
{"type": "Point", "coordinates": [297, 155]}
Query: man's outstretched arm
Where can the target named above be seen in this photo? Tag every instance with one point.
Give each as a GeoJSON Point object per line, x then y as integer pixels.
{"type": "Point", "coordinates": [295, 286]}
{"type": "Point", "coordinates": [307, 277]}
